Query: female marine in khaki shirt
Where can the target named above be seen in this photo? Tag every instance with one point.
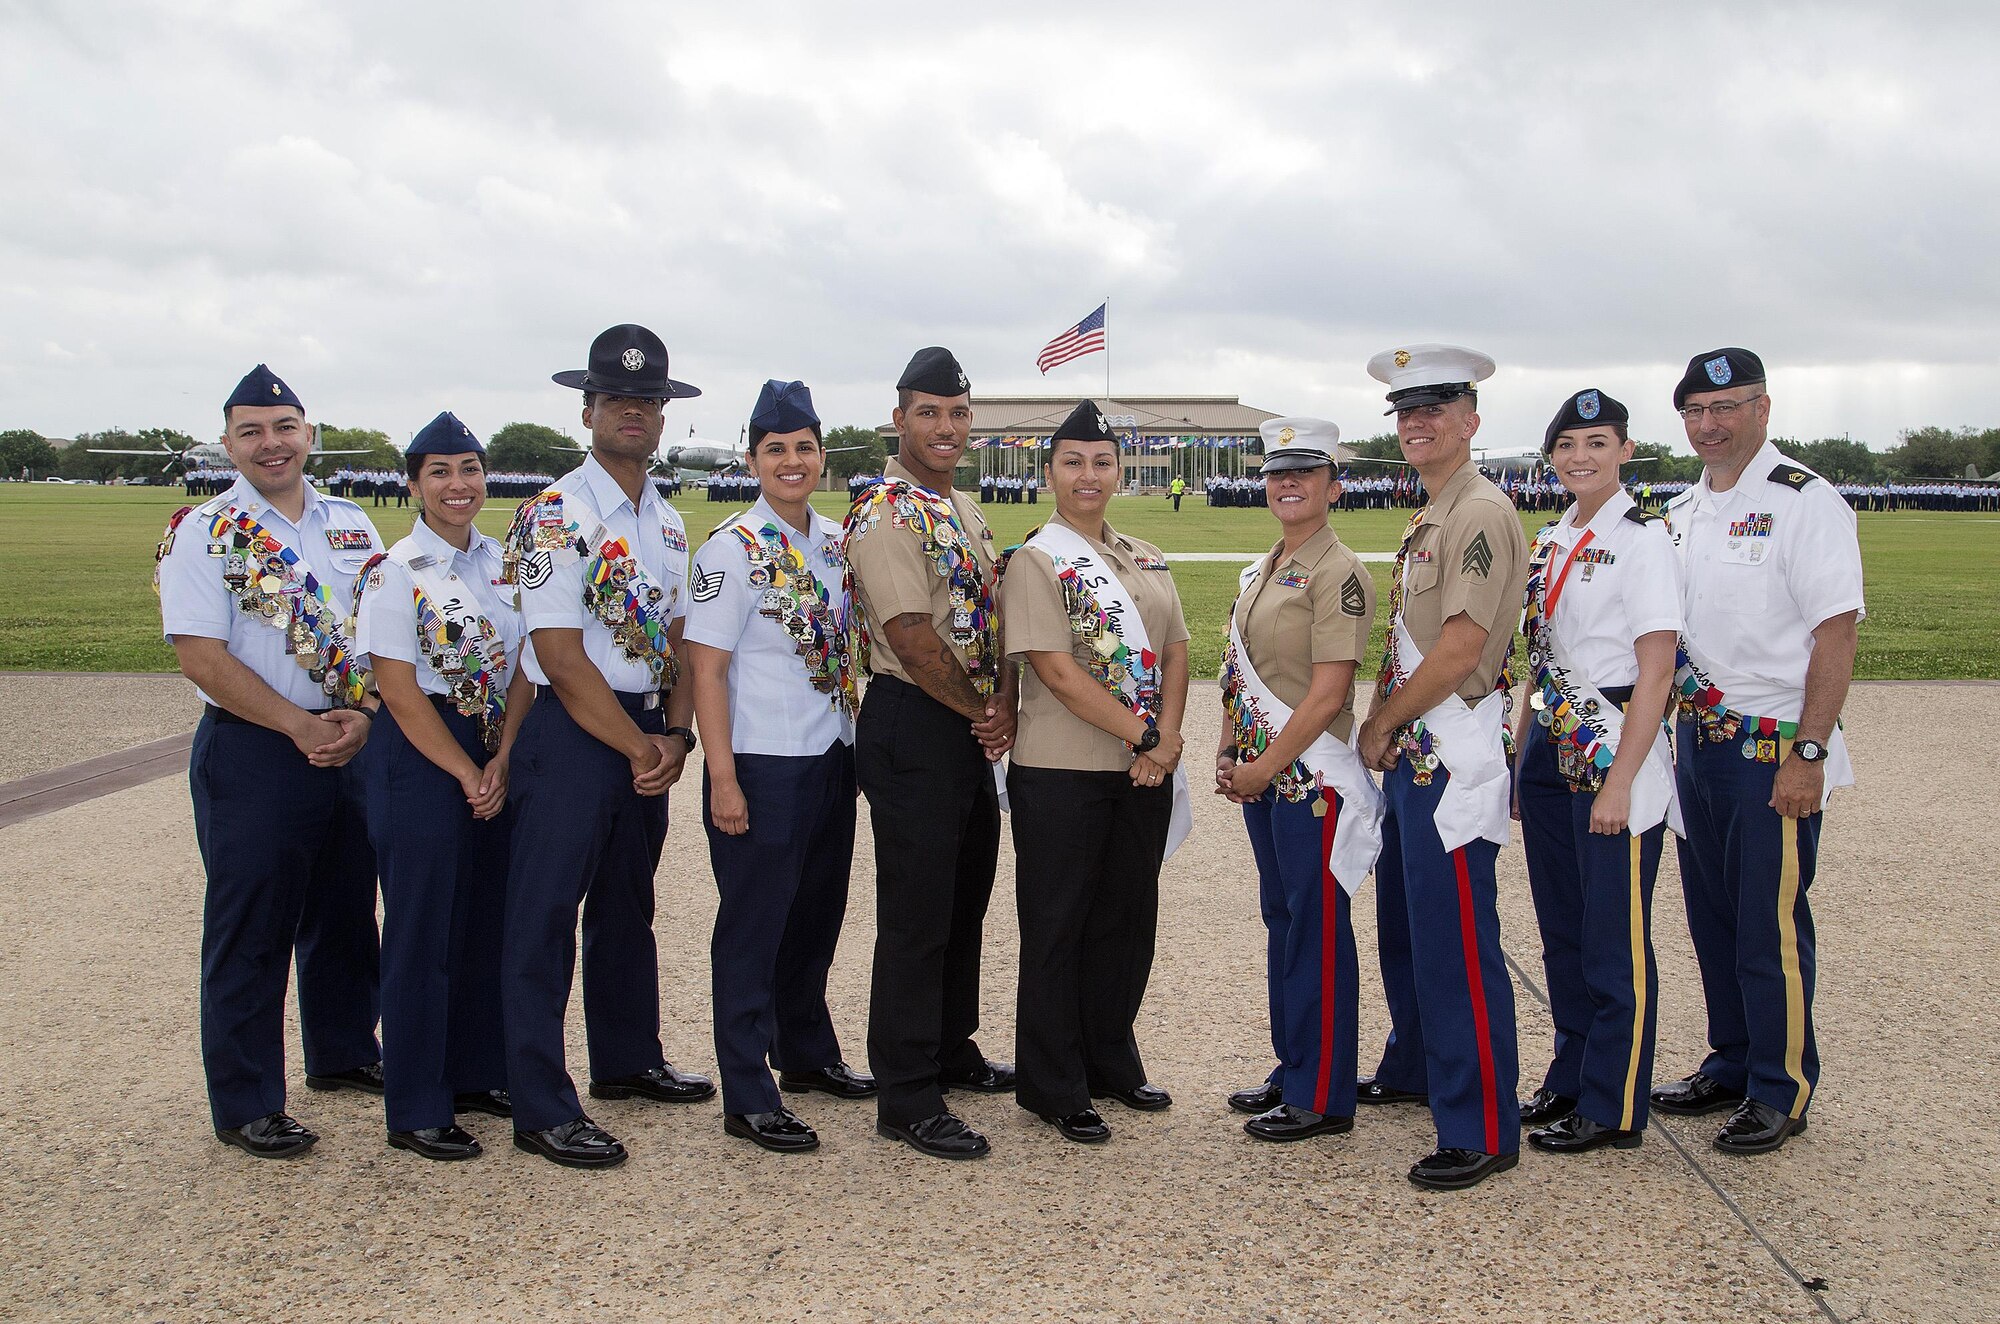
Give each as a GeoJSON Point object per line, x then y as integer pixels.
{"type": "Point", "coordinates": [1091, 786]}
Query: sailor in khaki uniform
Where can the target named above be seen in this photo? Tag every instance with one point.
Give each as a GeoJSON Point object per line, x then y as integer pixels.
{"type": "Point", "coordinates": [937, 716]}
{"type": "Point", "coordinates": [1438, 733]}
{"type": "Point", "coordinates": [1595, 780]}
{"type": "Point", "coordinates": [1297, 634]}
{"type": "Point", "coordinates": [1771, 593]}
{"type": "Point", "coordinates": [1094, 787]}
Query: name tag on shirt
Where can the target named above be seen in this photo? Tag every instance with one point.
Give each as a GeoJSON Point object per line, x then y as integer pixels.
{"type": "Point", "coordinates": [349, 540]}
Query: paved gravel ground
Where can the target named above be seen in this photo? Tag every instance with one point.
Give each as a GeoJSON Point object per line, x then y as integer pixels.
{"type": "Point", "coordinates": [116, 1203]}
{"type": "Point", "coordinates": [48, 720]}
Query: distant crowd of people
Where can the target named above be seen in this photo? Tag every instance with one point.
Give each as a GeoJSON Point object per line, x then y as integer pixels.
{"type": "Point", "coordinates": [1009, 489]}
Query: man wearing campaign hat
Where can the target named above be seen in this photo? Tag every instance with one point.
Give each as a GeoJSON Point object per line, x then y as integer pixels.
{"type": "Point", "coordinates": [256, 586]}
{"type": "Point", "coordinates": [1772, 596]}
{"type": "Point", "coordinates": [1438, 733]}
{"type": "Point", "coordinates": [600, 561]}
{"type": "Point", "coordinates": [938, 715]}
{"type": "Point", "coordinates": [775, 695]}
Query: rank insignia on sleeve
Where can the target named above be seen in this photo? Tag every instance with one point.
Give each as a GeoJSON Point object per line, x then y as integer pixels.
{"type": "Point", "coordinates": [706, 586]}
{"type": "Point", "coordinates": [1478, 558]}
{"type": "Point", "coordinates": [349, 540]}
{"type": "Point", "coordinates": [1353, 600]}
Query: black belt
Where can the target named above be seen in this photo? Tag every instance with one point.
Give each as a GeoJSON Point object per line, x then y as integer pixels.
{"type": "Point", "coordinates": [224, 715]}
{"type": "Point", "coordinates": [631, 703]}
{"type": "Point", "coordinates": [1618, 694]}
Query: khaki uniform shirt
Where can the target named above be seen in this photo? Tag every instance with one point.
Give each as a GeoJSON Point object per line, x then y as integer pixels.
{"type": "Point", "coordinates": [1048, 735]}
{"type": "Point", "coordinates": [893, 575]}
{"type": "Point", "coordinates": [1469, 556]}
{"type": "Point", "coordinates": [1314, 606]}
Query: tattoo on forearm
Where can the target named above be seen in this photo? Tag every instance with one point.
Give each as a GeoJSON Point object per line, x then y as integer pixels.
{"type": "Point", "coordinates": [932, 666]}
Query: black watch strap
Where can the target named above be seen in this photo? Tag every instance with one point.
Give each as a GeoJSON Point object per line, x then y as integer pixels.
{"type": "Point", "coordinates": [1149, 741]}
{"type": "Point", "coordinates": [1811, 751]}
{"type": "Point", "coordinates": [685, 733]}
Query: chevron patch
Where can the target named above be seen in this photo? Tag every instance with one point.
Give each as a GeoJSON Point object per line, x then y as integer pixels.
{"type": "Point", "coordinates": [1478, 559]}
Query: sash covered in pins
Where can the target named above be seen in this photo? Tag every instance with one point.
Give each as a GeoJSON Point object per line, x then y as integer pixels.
{"type": "Point", "coordinates": [458, 642]}
{"type": "Point", "coordinates": [616, 589]}
{"type": "Point", "coordinates": [269, 580]}
{"type": "Point", "coordinates": [1582, 723]}
{"type": "Point", "coordinates": [973, 627]}
{"type": "Point", "coordinates": [1256, 715]}
{"type": "Point", "coordinates": [1102, 614]}
{"type": "Point", "coordinates": [795, 598]}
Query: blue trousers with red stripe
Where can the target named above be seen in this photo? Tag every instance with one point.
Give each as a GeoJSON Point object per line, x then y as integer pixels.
{"type": "Point", "coordinates": [1310, 961]}
{"type": "Point", "coordinates": [1745, 869]}
{"type": "Point", "coordinates": [1594, 903]}
{"type": "Point", "coordinates": [1451, 1004]}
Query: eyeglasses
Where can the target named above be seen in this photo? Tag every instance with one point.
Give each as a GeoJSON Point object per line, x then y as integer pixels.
{"type": "Point", "coordinates": [1720, 410]}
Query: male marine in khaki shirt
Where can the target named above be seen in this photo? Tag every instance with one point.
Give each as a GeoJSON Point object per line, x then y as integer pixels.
{"type": "Point", "coordinates": [937, 715]}
{"type": "Point", "coordinates": [1457, 593]}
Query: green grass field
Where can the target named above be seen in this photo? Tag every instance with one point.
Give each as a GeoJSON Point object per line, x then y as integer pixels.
{"type": "Point", "coordinates": [76, 571]}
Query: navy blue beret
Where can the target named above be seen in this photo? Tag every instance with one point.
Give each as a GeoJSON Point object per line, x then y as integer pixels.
{"type": "Point", "coordinates": [1585, 409]}
{"type": "Point", "coordinates": [934, 372]}
{"type": "Point", "coordinates": [1718, 370]}
{"type": "Point", "coordinates": [261, 386]}
{"type": "Point", "coordinates": [784, 407]}
{"type": "Point", "coordinates": [445, 435]}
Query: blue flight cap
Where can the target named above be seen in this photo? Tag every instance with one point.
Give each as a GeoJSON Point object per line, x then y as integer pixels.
{"type": "Point", "coordinates": [261, 386]}
{"type": "Point", "coordinates": [784, 407]}
{"type": "Point", "coordinates": [445, 435]}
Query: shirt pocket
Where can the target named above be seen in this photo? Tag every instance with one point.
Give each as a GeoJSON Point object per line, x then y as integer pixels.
{"type": "Point", "coordinates": [1739, 579]}
{"type": "Point", "coordinates": [1423, 571]}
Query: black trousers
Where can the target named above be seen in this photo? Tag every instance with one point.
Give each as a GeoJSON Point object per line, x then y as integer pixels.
{"type": "Point", "coordinates": [936, 814]}
{"type": "Point", "coordinates": [1087, 848]}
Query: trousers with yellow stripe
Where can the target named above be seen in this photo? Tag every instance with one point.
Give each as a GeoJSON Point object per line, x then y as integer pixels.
{"type": "Point", "coordinates": [1745, 870]}
{"type": "Point", "coordinates": [1594, 904]}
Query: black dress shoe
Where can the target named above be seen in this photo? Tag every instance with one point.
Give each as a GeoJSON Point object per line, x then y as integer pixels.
{"type": "Point", "coordinates": [272, 1136]}
{"type": "Point", "coordinates": [576, 1144]}
{"type": "Point", "coordinates": [367, 1079]}
{"type": "Point", "coordinates": [1285, 1122]}
{"type": "Point", "coordinates": [1143, 1099]}
{"type": "Point", "coordinates": [988, 1078]}
{"type": "Point", "coordinates": [840, 1080]}
{"type": "Point", "coordinates": [494, 1103]}
{"type": "Point", "coordinates": [1086, 1127]}
{"type": "Point", "coordinates": [1756, 1128]}
{"type": "Point", "coordinates": [1693, 1096]}
{"type": "Point", "coordinates": [780, 1132]}
{"type": "Point", "coordinates": [1259, 1100]}
{"type": "Point", "coordinates": [665, 1083]}
{"type": "Point", "coordinates": [1577, 1134]}
{"type": "Point", "coordinates": [1374, 1091]}
{"type": "Point", "coordinates": [1546, 1106]}
{"type": "Point", "coordinates": [443, 1143]}
{"type": "Point", "coordinates": [1456, 1169]}
{"type": "Point", "coordinates": [940, 1135]}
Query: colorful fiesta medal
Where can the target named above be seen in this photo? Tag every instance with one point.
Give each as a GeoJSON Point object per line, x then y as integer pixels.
{"type": "Point", "coordinates": [799, 602]}
{"type": "Point", "coordinates": [973, 625]}
{"type": "Point", "coordinates": [616, 589]}
{"type": "Point", "coordinates": [462, 647]}
{"type": "Point", "coordinates": [269, 580]}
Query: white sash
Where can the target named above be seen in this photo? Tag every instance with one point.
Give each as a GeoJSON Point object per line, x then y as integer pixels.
{"type": "Point", "coordinates": [453, 601]}
{"type": "Point", "coordinates": [1357, 839]}
{"type": "Point", "coordinates": [1839, 765]}
{"type": "Point", "coordinates": [1468, 742]}
{"type": "Point", "coordinates": [1655, 798]}
{"type": "Point", "coordinates": [1066, 548]}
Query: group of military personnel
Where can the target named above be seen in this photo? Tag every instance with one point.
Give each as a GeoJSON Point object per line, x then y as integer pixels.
{"type": "Point", "coordinates": [492, 728]}
{"type": "Point", "coordinates": [1010, 489]}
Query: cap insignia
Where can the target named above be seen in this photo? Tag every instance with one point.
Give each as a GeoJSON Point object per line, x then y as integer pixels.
{"type": "Point", "coordinates": [1588, 405]}
{"type": "Point", "coordinates": [1402, 358]}
{"type": "Point", "coordinates": [962, 383]}
{"type": "Point", "coordinates": [1719, 370]}
{"type": "Point", "coordinates": [1285, 436]}
{"type": "Point", "coordinates": [633, 359]}
{"type": "Point", "coordinates": [277, 389]}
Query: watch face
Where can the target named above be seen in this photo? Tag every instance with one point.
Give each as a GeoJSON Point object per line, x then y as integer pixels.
{"type": "Point", "coordinates": [1810, 750]}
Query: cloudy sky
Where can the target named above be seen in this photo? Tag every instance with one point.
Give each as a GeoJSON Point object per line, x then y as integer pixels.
{"type": "Point", "coordinates": [414, 206]}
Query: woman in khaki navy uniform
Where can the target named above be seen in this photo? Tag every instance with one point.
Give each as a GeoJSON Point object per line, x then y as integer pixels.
{"type": "Point", "coordinates": [440, 625]}
{"type": "Point", "coordinates": [1594, 780]}
{"type": "Point", "coordinates": [1093, 787]}
{"type": "Point", "coordinates": [1298, 631]}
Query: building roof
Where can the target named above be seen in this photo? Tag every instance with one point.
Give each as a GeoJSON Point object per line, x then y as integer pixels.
{"type": "Point", "coordinates": [1151, 415]}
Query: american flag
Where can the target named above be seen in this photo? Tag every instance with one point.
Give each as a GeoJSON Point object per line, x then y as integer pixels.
{"type": "Point", "coordinates": [1086, 337]}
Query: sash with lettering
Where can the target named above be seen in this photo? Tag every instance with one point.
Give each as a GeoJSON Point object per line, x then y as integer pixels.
{"type": "Point", "coordinates": [1135, 678]}
{"type": "Point", "coordinates": [793, 596]}
{"type": "Point", "coordinates": [1583, 723]}
{"type": "Point", "coordinates": [1332, 764]}
{"type": "Point", "coordinates": [1470, 742]}
{"type": "Point", "coordinates": [1716, 722]}
{"type": "Point", "coordinates": [467, 651]}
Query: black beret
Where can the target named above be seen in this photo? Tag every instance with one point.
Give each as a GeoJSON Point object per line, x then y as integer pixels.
{"type": "Point", "coordinates": [1718, 370]}
{"type": "Point", "coordinates": [1585, 409]}
{"type": "Point", "coordinates": [934, 372]}
{"type": "Point", "coordinates": [261, 386]}
{"type": "Point", "coordinates": [1085, 423]}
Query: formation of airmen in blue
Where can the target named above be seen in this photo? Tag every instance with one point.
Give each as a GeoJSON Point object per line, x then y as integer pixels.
{"type": "Point", "coordinates": [489, 730]}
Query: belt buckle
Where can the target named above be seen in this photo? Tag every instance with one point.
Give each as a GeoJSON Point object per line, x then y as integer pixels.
{"type": "Point", "coordinates": [650, 702]}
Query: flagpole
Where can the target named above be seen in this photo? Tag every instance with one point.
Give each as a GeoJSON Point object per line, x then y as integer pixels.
{"type": "Point", "coordinates": [1107, 351]}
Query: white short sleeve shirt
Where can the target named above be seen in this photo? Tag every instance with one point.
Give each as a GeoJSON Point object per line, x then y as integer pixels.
{"type": "Point", "coordinates": [386, 621]}
{"type": "Point", "coordinates": [1624, 583]}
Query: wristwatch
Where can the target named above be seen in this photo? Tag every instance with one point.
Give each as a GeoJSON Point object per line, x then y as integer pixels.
{"type": "Point", "coordinates": [1809, 751]}
{"type": "Point", "coordinates": [685, 733]}
{"type": "Point", "coordinates": [1149, 741]}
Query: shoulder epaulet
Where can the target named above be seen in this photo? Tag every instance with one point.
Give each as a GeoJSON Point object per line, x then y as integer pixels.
{"type": "Point", "coordinates": [1790, 475]}
{"type": "Point", "coordinates": [1638, 516]}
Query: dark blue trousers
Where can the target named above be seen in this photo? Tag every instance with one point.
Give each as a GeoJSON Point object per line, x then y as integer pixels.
{"type": "Point", "coordinates": [444, 894]}
{"type": "Point", "coordinates": [1087, 850]}
{"type": "Point", "coordinates": [1451, 1003]}
{"type": "Point", "coordinates": [1745, 870]}
{"type": "Point", "coordinates": [582, 839]}
{"type": "Point", "coordinates": [1594, 905]}
{"type": "Point", "coordinates": [1310, 964]}
{"type": "Point", "coordinates": [783, 887]}
{"type": "Point", "coordinates": [285, 846]}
